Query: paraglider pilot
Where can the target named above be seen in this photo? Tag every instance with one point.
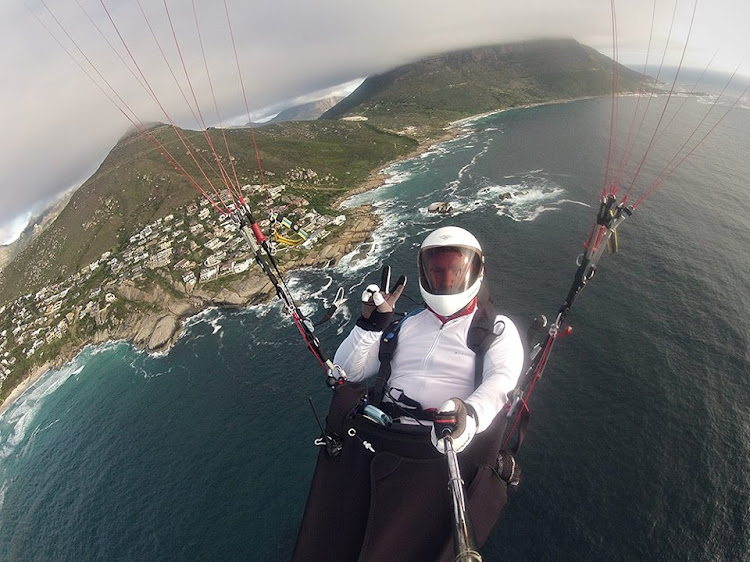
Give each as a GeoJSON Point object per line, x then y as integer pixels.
{"type": "Point", "coordinates": [451, 362]}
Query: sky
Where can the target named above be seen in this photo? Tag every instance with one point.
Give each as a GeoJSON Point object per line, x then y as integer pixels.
{"type": "Point", "coordinates": [59, 125]}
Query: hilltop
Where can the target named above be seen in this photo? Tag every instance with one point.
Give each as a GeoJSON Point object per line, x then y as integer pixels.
{"type": "Point", "coordinates": [136, 249]}
{"type": "Point", "coordinates": [307, 111]}
{"type": "Point", "coordinates": [422, 97]}
{"type": "Point", "coordinates": [384, 119]}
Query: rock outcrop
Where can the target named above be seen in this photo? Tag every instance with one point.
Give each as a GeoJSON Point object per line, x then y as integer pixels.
{"type": "Point", "coordinates": [162, 313]}
{"type": "Point", "coordinates": [164, 331]}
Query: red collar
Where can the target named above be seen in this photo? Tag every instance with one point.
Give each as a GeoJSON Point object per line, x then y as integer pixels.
{"type": "Point", "coordinates": [465, 311]}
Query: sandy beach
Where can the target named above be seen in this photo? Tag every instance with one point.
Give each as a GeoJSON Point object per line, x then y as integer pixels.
{"type": "Point", "coordinates": [27, 382]}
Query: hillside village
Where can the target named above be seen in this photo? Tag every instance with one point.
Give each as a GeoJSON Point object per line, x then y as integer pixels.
{"type": "Point", "coordinates": [192, 254]}
{"type": "Point", "coordinates": [193, 246]}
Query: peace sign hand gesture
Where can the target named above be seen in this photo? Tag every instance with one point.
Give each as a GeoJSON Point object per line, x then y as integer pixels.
{"type": "Point", "coordinates": [378, 303]}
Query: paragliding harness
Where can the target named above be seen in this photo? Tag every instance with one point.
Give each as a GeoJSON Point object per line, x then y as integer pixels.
{"type": "Point", "coordinates": [479, 339]}
{"type": "Point", "coordinates": [482, 332]}
{"type": "Point", "coordinates": [382, 463]}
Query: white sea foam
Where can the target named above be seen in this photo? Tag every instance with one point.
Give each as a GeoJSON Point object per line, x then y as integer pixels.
{"type": "Point", "coordinates": [18, 420]}
{"type": "Point", "coordinates": [473, 161]}
{"type": "Point", "coordinates": [206, 315]}
{"type": "Point", "coordinates": [3, 489]}
{"type": "Point", "coordinates": [153, 374]}
{"type": "Point", "coordinates": [439, 149]}
{"type": "Point", "coordinates": [574, 202]}
{"type": "Point", "coordinates": [102, 348]}
{"type": "Point", "coordinates": [529, 202]}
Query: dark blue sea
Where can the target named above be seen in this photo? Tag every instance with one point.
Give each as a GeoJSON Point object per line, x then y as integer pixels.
{"type": "Point", "coordinates": [639, 442]}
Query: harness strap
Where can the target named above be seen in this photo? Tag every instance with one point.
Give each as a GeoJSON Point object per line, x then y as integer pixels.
{"type": "Point", "coordinates": [479, 338]}
{"type": "Point", "coordinates": [405, 406]}
{"type": "Point", "coordinates": [385, 355]}
{"type": "Point", "coordinates": [479, 341]}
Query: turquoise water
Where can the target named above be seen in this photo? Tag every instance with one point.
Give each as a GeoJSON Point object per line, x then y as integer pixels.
{"type": "Point", "coordinates": [640, 435]}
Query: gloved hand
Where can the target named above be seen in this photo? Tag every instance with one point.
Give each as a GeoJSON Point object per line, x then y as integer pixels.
{"type": "Point", "coordinates": [456, 418]}
{"type": "Point", "coordinates": [378, 302]}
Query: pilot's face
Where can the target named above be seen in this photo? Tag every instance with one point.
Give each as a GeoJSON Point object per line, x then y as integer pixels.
{"type": "Point", "coordinates": [446, 271]}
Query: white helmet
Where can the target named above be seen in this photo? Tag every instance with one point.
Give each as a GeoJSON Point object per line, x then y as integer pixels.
{"type": "Point", "coordinates": [451, 269]}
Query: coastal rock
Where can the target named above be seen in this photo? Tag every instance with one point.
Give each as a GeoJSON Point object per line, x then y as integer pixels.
{"type": "Point", "coordinates": [186, 307]}
{"type": "Point", "coordinates": [164, 331]}
{"type": "Point", "coordinates": [144, 329]}
{"type": "Point", "coordinates": [227, 297]}
{"type": "Point", "coordinates": [129, 291]}
{"type": "Point", "coordinates": [440, 207]}
{"type": "Point", "coordinates": [254, 288]}
{"type": "Point", "coordinates": [101, 336]}
{"type": "Point", "coordinates": [329, 251]}
{"type": "Point", "coordinates": [157, 314]}
{"type": "Point", "coordinates": [100, 317]}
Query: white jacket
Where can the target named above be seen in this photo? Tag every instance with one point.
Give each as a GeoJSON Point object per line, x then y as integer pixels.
{"type": "Point", "coordinates": [432, 362]}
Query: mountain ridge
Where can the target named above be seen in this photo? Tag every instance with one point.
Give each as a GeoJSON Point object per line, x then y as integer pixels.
{"type": "Point", "coordinates": [426, 94]}
{"type": "Point", "coordinates": [402, 108]}
{"type": "Point", "coordinates": [306, 111]}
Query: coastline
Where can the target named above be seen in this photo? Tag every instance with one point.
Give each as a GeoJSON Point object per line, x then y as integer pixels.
{"type": "Point", "coordinates": [156, 332]}
{"type": "Point", "coordinates": [27, 383]}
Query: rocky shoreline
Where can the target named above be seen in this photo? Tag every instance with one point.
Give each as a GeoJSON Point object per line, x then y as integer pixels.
{"type": "Point", "coordinates": [157, 330]}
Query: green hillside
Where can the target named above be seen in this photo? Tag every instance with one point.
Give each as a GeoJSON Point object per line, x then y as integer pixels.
{"type": "Point", "coordinates": [319, 160]}
{"type": "Point", "coordinates": [136, 185]}
{"type": "Point", "coordinates": [432, 92]}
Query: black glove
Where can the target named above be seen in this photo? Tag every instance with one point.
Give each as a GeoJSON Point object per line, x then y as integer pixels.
{"type": "Point", "coordinates": [378, 302]}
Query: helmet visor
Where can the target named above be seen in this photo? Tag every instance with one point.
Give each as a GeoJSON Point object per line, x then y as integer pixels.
{"type": "Point", "coordinates": [449, 270]}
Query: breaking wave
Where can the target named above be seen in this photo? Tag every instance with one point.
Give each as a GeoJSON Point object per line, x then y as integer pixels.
{"type": "Point", "coordinates": [18, 420]}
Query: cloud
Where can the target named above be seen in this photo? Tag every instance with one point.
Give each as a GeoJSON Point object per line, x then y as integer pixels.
{"type": "Point", "coordinates": [58, 126]}
{"type": "Point", "coordinates": [13, 229]}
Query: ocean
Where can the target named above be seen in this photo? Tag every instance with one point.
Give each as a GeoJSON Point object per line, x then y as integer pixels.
{"type": "Point", "coordinates": [639, 441]}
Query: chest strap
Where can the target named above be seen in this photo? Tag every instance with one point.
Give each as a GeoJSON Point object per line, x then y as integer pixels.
{"type": "Point", "coordinates": [481, 335]}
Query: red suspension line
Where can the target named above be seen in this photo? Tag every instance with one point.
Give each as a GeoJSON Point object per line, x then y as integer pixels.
{"type": "Point", "coordinates": [537, 375]}
{"type": "Point", "coordinates": [224, 175]}
{"type": "Point", "coordinates": [244, 96]}
{"type": "Point", "coordinates": [184, 97]}
{"type": "Point", "coordinates": [654, 186]}
{"type": "Point", "coordinates": [139, 126]}
{"type": "Point", "coordinates": [216, 106]}
{"type": "Point", "coordinates": [669, 96]}
{"type": "Point", "coordinates": [651, 96]}
{"type": "Point", "coordinates": [164, 111]}
{"type": "Point", "coordinates": [111, 46]}
{"type": "Point", "coordinates": [298, 322]}
{"type": "Point", "coordinates": [641, 88]}
{"type": "Point", "coordinates": [687, 97]}
{"type": "Point", "coordinates": [613, 112]}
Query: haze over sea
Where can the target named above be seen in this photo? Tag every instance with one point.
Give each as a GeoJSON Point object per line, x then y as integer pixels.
{"type": "Point", "coordinates": [639, 441]}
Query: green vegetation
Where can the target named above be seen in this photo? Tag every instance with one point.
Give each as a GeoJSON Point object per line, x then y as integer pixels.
{"type": "Point", "coordinates": [428, 94]}
{"type": "Point", "coordinates": [135, 185]}
{"type": "Point", "coordinates": [117, 224]}
{"type": "Point", "coordinates": [317, 160]}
